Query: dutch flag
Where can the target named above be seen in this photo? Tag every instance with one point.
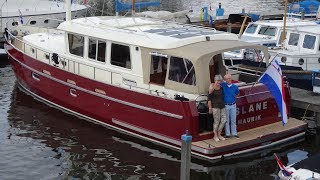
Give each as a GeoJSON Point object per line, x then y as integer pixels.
{"type": "Point", "coordinates": [284, 170]}
{"type": "Point", "coordinates": [273, 80]}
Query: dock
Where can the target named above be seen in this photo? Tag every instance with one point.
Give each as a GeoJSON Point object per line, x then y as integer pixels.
{"type": "Point", "coordinates": [306, 100]}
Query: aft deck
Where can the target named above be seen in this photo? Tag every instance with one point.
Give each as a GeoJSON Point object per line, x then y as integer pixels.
{"type": "Point", "coordinates": [253, 139]}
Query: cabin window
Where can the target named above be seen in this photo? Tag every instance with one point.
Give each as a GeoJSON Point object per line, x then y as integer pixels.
{"type": "Point", "coordinates": [158, 68]}
{"type": "Point", "coordinates": [33, 22]}
{"type": "Point", "coordinates": [251, 28]}
{"type": "Point", "coordinates": [46, 21]}
{"type": "Point", "coordinates": [182, 70]}
{"type": "Point", "coordinates": [120, 55]}
{"type": "Point", "coordinates": [293, 39]}
{"type": "Point", "coordinates": [76, 44]}
{"type": "Point", "coordinates": [309, 42]}
{"type": "Point", "coordinates": [97, 50]}
{"type": "Point", "coordinates": [268, 30]}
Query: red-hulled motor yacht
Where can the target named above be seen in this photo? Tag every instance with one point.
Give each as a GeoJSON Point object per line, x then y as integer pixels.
{"type": "Point", "coordinates": [146, 78]}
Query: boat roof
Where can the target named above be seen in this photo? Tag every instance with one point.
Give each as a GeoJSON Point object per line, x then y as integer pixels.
{"type": "Point", "coordinates": [308, 29]}
{"type": "Point", "coordinates": [311, 163]}
{"type": "Point", "coordinates": [35, 7]}
{"type": "Point", "coordinates": [144, 32]}
{"type": "Point", "coordinates": [290, 22]}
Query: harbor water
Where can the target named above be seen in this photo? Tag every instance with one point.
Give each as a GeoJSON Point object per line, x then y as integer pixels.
{"type": "Point", "coordinates": [38, 141]}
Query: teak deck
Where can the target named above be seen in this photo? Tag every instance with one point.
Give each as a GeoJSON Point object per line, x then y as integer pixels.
{"type": "Point", "coordinates": [252, 134]}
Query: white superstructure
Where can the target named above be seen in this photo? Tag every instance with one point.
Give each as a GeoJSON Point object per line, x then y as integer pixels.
{"type": "Point", "coordinates": [301, 48]}
{"type": "Point", "coordinates": [35, 13]}
{"type": "Point", "coordinates": [268, 32]}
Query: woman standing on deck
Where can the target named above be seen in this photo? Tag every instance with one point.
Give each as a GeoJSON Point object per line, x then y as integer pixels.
{"type": "Point", "coordinates": [217, 107]}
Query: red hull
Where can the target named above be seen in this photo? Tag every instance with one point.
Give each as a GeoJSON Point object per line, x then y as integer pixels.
{"type": "Point", "coordinates": [149, 117]}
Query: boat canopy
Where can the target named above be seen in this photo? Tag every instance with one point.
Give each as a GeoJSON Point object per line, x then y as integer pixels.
{"type": "Point", "coordinates": [200, 54]}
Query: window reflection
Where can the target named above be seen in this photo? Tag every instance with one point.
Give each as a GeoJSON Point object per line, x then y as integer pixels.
{"type": "Point", "coordinates": [293, 39]}
{"type": "Point", "coordinates": [309, 42]}
{"type": "Point", "coordinates": [182, 70]}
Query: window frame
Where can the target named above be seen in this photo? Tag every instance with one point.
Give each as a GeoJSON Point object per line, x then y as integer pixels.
{"type": "Point", "coordinates": [130, 56]}
{"type": "Point", "coordinates": [97, 48]}
{"type": "Point", "coordinates": [314, 43]}
{"type": "Point", "coordinates": [296, 41]}
{"type": "Point", "coordinates": [255, 30]}
{"type": "Point", "coordinates": [187, 74]}
{"type": "Point", "coordinates": [267, 27]}
{"type": "Point", "coordinates": [84, 44]}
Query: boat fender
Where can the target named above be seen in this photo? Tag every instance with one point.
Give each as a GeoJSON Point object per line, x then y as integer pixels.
{"type": "Point", "coordinates": [202, 107]}
{"type": "Point", "coordinates": [55, 58]}
{"type": "Point", "coordinates": [6, 34]}
{"type": "Point", "coordinates": [180, 98]}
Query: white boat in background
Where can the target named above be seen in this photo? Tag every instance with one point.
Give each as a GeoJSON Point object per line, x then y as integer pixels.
{"type": "Point", "coordinates": [305, 169]}
{"type": "Point", "coordinates": [38, 13]}
{"type": "Point", "coordinates": [263, 32]}
{"type": "Point", "coordinates": [268, 32]}
{"type": "Point", "coordinates": [300, 55]}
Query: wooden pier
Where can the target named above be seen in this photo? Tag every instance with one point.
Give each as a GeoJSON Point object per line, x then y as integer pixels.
{"type": "Point", "coordinates": [306, 100]}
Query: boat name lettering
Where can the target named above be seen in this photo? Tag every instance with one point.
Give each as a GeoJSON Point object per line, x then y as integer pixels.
{"type": "Point", "coordinates": [249, 119]}
{"type": "Point", "coordinates": [158, 54]}
{"type": "Point", "coordinates": [129, 82]}
{"type": "Point", "coordinates": [252, 108]}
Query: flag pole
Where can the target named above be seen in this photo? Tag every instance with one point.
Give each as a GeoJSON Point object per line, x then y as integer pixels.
{"type": "Point", "coordinates": [263, 73]}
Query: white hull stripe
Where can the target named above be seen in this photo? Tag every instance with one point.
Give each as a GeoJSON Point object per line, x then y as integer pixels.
{"type": "Point", "coordinates": [101, 95]}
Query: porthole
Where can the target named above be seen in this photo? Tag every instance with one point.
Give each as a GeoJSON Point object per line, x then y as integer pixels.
{"type": "Point", "coordinates": [46, 21]}
{"type": "Point", "coordinates": [318, 60]}
{"type": "Point", "coordinates": [283, 59]}
{"type": "Point", "coordinates": [301, 61]}
{"type": "Point", "coordinates": [33, 22]}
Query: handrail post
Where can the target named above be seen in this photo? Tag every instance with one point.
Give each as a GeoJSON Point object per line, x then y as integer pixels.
{"type": "Point", "coordinates": [185, 156]}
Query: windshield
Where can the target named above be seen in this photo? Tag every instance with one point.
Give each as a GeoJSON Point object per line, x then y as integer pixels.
{"type": "Point", "coordinates": [251, 29]}
{"type": "Point", "coordinates": [267, 30]}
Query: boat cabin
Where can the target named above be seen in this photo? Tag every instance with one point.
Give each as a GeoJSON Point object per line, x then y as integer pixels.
{"type": "Point", "coordinates": [268, 32]}
{"type": "Point", "coordinates": [178, 65]}
{"type": "Point", "coordinates": [264, 32]}
{"type": "Point", "coordinates": [301, 48]}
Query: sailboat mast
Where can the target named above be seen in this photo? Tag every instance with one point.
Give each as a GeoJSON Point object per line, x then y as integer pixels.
{"type": "Point", "coordinates": [133, 7]}
{"type": "Point", "coordinates": [68, 10]}
{"type": "Point", "coordinates": [284, 23]}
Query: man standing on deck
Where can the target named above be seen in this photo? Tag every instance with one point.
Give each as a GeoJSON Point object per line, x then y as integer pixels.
{"type": "Point", "coordinates": [230, 92]}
